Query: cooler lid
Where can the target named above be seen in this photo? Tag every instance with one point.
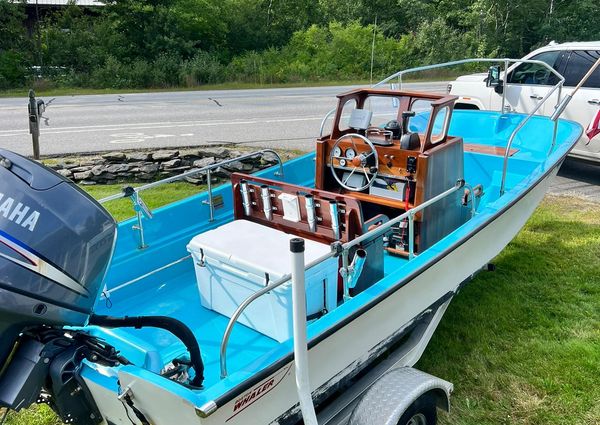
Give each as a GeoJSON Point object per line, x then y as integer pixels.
{"type": "Point", "coordinates": [253, 247]}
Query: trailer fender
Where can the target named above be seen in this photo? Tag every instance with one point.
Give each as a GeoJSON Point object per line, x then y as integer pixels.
{"type": "Point", "coordinates": [392, 394]}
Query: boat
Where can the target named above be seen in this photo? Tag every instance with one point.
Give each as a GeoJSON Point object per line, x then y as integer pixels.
{"type": "Point", "coordinates": [258, 300]}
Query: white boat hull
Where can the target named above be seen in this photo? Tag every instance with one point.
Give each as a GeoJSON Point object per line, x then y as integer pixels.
{"type": "Point", "coordinates": [340, 355]}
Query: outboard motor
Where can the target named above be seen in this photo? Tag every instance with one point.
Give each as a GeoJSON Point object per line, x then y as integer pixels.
{"type": "Point", "coordinates": [56, 243]}
{"type": "Point", "coordinates": [55, 246]}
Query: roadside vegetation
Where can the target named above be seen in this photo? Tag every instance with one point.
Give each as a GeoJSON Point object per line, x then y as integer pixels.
{"type": "Point", "coordinates": [521, 344]}
{"type": "Point", "coordinates": [137, 44]}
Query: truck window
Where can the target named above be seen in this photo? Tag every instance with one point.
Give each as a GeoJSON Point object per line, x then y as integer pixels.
{"type": "Point", "coordinates": [579, 63]}
{"type": "Point", "coordinates": [533, 73]}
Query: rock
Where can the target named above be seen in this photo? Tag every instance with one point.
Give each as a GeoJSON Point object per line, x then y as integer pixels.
{"type": "Point", "coordinates": [204, 162]}
{"type": "Point", "coordinates": [146, 176]}
{"type": "Point", "coordinates": [138, 156]}
{"type": "Point", "coordinates": [125, 175]}
{"type": "Point", "coordinates": [193, 180]}
{"type": "Point", "coordinates": [221, 172]}
{"type": "Point", "coordinates": [149, 169]}
{"type": "Point", "coordinates": [118, 168]}
{"type": "Point", "coordinates": [54, 166]}
{"type": "Point", "coordinates": [69, 164]}
{"type": "Point", "coordinates": [107, 176]}
{"type": "Point", "coordinates": [90, 162]}
{"type": "Point", "coordinates": [234, 166]}
{"type": "Point", "coordinates": [80, 169]}
{"type": "Point", "coordinates": [164, 155]}
{"type": "Point", "coordinates": [220, 153]}
{"type": "Point", "coordinates": [235, 154]}
{"type": "Point", "coordinates": [172, 163]}
{"type": "Point", "coordinates": [178, 170]}
{"type": "Point", "coordinates": [87, 182]}
{"type": "Point", "coordinates": [82, 176]}
{"type": "Point", "coordinates": [98, 169]}
{"type": "Point", "coordinates": [114, 156]}
{"type": "Point", "coordinates": [65, 173]}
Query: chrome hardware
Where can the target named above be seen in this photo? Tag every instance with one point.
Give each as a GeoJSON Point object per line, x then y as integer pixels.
{"type": "Point", "coordinates": [266, 201]}
{"type": "Point", "coordinates": [245, 196]}
{"type": "Point", "coordinates": [311, 212]}
{"type": "Point", "coordinates": [335, 219]}
{"type": "Point", "coordinates": [594, 101]}
{"type": "Point", "coordinates": [536, 97]}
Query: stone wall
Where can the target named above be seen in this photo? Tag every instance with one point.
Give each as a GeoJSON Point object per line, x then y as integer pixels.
{"type": "Point", "coordinates": [144, 166]}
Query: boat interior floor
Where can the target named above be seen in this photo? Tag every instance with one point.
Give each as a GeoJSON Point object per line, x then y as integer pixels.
{"type": "Point", "coordinates": [172, 295]}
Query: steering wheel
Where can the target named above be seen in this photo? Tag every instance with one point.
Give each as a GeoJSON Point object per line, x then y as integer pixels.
{"type": "Point", "coordinates": [358, 162]}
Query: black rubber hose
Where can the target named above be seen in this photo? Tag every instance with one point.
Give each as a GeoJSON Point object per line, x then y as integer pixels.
{"type": "Point", "coordinates": [176, 327]}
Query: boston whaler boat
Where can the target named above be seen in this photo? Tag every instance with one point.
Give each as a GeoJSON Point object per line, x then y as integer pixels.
{"type": "Point", "coordinates": [254, 302]}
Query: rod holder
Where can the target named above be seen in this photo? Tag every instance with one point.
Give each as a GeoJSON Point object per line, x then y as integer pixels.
{"type": "Point", "coordinates": [245, 196]}
{"type": "Point", "coordinates": [356, 267]}
{"type": "Point", "coordinates": [265, 194]}
{"type": "Point", "coordinates": [560, 108]}
{"type": "Point", "coordinates": [311, 213]}
{"type": "Point", "coordinates": [335, 219]}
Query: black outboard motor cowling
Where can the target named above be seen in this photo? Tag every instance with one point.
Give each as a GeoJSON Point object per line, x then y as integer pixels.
{"type": "Point", "coordinates": [55, 246]}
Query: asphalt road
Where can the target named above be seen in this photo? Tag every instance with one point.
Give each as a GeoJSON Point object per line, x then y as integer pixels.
{"type": "Point", "coordinates": [263, 117]}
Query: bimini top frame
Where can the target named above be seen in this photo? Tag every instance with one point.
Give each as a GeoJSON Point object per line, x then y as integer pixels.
{"type": "Point", "coordinates": [395, 80]}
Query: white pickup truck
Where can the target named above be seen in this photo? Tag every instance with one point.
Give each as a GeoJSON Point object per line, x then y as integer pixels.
{"type": "Point", "coordinates": [526, 84]}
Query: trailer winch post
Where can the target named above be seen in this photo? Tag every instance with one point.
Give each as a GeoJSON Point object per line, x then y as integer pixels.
{"type": "Point", "coordinates": [300, 345]}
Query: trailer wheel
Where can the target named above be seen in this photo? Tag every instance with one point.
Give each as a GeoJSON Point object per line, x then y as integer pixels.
{"type": "Point", "coordinates": [422, 412]}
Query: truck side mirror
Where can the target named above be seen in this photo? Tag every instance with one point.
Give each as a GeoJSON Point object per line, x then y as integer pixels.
{"type": "Point", "coordinates": [493, 77]}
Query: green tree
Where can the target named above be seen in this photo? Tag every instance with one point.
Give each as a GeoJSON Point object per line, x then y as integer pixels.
{"type": "Point", "coordinates": [14, 45]}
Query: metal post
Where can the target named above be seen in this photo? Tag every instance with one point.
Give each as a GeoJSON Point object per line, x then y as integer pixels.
{"type": "Point", "coordinates": [211, 211]}
{"type": "Point", "coordinates": [555, 131]}
{"type": "Point", "coordinates": [345, 272]}
{"type": "Point", "coordinates": [34, 124]}
{"type": "Point", "coordinates": [504, 88]}
{"type": "Point", "coordinates": [300, 345]}
{"type": "Point", "coordinates": [140, 224]}
{"type": "Point", "coordinates": [411, 236]}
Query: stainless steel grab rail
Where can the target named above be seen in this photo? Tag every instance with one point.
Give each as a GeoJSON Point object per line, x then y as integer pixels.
{"type": "Point", "coordinates": [558, 86]}
{"type": "Point", "coordinates": [141, 210]}
{"type": "Point", "coordinates": [197, 171]}
{"type": "Point", "coordinates": [344, 249]}
{"type": "Point", "coordinates": [238, 312]}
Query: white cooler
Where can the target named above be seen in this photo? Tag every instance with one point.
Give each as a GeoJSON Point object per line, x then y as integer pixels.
{"type": "Point", "coordinates": [237, 259]}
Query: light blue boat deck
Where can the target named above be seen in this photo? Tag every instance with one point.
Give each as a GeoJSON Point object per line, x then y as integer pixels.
{"type": "Point", "coordinates": [173, 292]}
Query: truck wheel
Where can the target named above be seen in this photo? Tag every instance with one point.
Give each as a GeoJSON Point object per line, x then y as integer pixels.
{"type": "Point", "coordinates": [422, 412]}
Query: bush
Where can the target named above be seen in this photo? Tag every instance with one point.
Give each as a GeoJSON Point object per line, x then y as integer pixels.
{"type": "Point", "coordinates": [13, 72]}
{"type": "Point", "coordinates": [203, 68]}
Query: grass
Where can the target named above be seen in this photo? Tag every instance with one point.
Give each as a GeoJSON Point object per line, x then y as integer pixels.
{"type": "Point", "coordinates": [521, 344]}
{"type": "Point", "coordinates": [78, 91]}
{"type": "Point", "coordinates": [122, 209]}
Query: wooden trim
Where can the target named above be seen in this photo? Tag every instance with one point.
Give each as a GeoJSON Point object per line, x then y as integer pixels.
{"type": "Point", "coordinates": [436, 107]}
{"type": "Point", "coordinates": [489, 150]}
{"type": "Point", "coordinates": [349, 207]}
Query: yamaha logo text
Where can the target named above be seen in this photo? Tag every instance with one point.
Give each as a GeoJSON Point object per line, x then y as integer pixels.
{"type": "Point", "coordinates": [18, 212]}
